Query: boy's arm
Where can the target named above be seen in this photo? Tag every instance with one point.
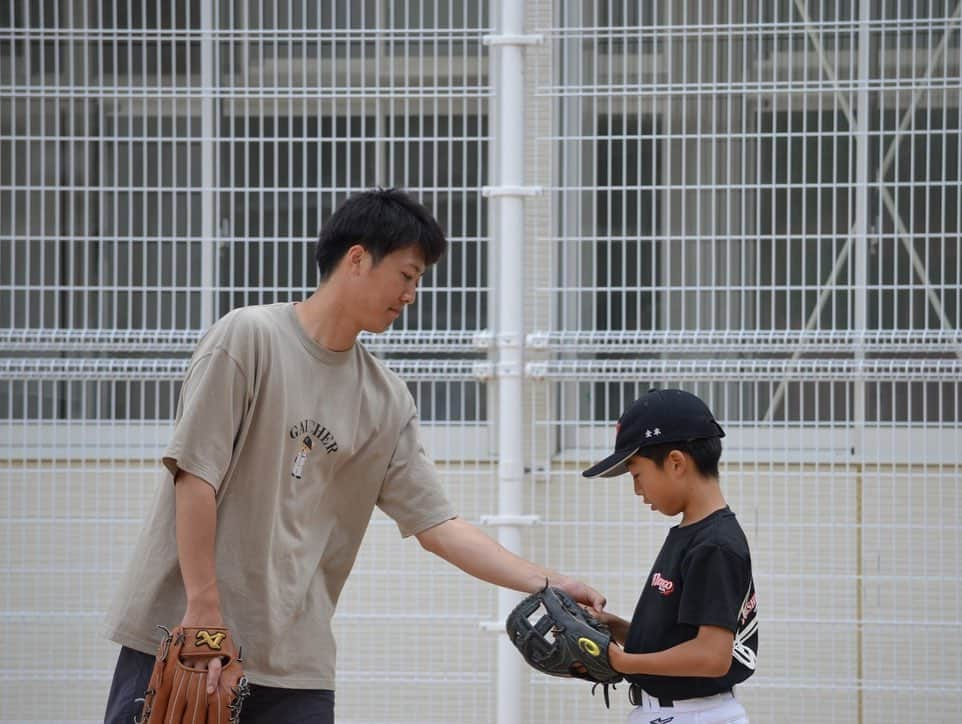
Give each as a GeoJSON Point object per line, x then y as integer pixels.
{"type": "Point", "coordinates": [709, 654]}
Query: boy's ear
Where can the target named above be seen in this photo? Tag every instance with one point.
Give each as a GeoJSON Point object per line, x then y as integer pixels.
{"type": "Point", "coordinates": [677, 461]}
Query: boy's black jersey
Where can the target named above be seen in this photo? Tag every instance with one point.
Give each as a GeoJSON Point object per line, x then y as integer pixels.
{"type": "Point", "coordinates": [702, 576]}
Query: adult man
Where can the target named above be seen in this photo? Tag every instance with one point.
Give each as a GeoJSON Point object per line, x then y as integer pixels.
{"type": "Point", "coordinates": [288, 433]}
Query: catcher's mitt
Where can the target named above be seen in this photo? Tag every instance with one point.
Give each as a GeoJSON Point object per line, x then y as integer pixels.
{"type": "Point", "coordinates": [177, 691]}
{"type": "Point", "coordinates": [565, 641]}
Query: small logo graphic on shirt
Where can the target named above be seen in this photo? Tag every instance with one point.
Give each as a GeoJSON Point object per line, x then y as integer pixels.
{"type": "Point", "coordinates": [204, 638]}
{"type": "Point", "coordinates": [589, 646]}
{"type": "Point", "coordinates": [664, 586]}
{"type": "Point", "coordinates": [663, 720]}
{"type": "Point", "coordinates": [313, 436]}
{"type": "Point", "coordinates": [306, 446]}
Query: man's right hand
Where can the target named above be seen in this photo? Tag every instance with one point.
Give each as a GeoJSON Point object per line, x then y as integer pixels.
{"type": "Point", "coordinates": [212, 618]}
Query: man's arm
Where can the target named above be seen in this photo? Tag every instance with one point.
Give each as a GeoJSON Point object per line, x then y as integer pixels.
{"type": "Point", "coordinates": [709, 654]}
{"type": "Point", "coordinates": [196, 513]}
{"type": "Point", "coordinates": [476, 553]}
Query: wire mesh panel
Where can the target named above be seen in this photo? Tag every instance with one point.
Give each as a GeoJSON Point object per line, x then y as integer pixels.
{"type": "Point", "coordinates": [758, 202]}
{"type": "Point", "coordinates": [162, 163]}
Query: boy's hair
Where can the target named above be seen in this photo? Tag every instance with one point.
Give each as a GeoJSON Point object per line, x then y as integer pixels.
{"type": "Point", "coordinates": [382, 221]}
{"type": "Point", "coordinates": [706, 453]}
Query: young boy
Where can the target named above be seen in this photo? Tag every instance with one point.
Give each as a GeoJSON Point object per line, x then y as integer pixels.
{"type": "Point", "coordinates": [694, 633]}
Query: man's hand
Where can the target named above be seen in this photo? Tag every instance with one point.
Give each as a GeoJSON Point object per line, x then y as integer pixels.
{"type": "Point", "coordinates": [580, 592]}
{"type": "Point", "coordinates": [201, 616]}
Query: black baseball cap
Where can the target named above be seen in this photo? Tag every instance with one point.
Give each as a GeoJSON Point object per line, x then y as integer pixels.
{"type": "Point", "coordinates": [657, 417]}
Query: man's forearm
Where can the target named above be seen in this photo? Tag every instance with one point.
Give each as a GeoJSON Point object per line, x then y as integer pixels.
{"type": "Point", "coordinates": [479, 555]}
{"type": "Point", "coordinates": [470, 549]}
{"type": "Point", "coordinates": [196, 512]}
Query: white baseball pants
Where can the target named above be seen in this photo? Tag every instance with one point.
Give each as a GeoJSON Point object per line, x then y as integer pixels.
{"type": "Point", "coordinates": [718, 709]}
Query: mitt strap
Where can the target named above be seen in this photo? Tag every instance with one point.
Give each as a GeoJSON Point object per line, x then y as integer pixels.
{"type": "Point", "coordinates": [207, 641]}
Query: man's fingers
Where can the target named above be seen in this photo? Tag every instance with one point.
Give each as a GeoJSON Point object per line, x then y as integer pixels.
{"type": "Point", "coordinates": [596, 600]}
{"type": "Point", "coordinates": [590, 597]}
{"type": "Point", "coordinates": [213, 674]}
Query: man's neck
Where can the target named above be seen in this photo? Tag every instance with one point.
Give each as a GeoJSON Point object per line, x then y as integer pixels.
{"type": "Point", "coordinates": [326, 320]}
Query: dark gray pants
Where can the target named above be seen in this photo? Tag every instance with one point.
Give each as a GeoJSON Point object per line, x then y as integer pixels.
{"type": "Point", "coordinates": [265, 705]}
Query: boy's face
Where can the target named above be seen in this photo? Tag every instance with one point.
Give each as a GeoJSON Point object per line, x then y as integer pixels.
{"type": "Point", "coordinates": [385, 288]}
{"type": "Point", "coordinates": [660, 486]}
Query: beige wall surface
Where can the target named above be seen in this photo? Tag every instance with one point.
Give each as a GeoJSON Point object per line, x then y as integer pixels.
{"type": "Point", "coordinates": [856, 576]}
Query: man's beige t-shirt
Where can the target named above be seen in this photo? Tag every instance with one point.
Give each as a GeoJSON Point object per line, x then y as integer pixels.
{"type": "Point", "coordinates": [300, 443]}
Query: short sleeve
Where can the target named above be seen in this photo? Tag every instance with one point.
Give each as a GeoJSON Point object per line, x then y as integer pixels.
{"type": "Point", "coordinates": [211, 408]}
{"type": "Point", "coordinates": [715, 583]}
{"type": "Point", "coordinates": [411, 493]}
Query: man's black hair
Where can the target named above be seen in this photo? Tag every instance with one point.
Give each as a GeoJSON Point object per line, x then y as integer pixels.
{"type": "Point", "coordinates": [382, 221]}
{"type": "Point", "coordinates": [706, 453]}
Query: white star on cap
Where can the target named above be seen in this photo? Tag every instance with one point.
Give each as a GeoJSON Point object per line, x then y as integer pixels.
{"type": "Point", "coordinates": [647, 433]}
{"type": "Point", "coordinates": [657, 431]}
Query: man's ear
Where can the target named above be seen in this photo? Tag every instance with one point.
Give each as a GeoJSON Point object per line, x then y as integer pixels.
{"type": "Point", "coordinates": [355, 257]}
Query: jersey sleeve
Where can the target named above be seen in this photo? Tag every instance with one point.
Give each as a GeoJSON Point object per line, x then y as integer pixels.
{"type": "Point", "coordinates": [411, 493]}
{"type": "Point", "coordinates": [212, 404]}
{"type": "Point", "coordinates": [716, 581]}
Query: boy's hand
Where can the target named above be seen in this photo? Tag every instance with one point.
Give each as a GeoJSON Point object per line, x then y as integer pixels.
{"type": "Point", "coordinates": [616, 625]}
{"type": "Point", "coordinates": [615, 657]}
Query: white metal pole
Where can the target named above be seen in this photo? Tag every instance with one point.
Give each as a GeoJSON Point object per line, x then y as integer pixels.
{"type": "Point", "coordinates": [860, 260]}
{"type": "Point", "coordinates": [860, 227]}
{"type": "Point", "coordinates": [208, 201]}
{"type": "Point", "coordinates": [510, 124]}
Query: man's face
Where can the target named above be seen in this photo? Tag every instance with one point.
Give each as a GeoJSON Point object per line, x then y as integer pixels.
{"type": "Point", "coordinates": [385, 288]}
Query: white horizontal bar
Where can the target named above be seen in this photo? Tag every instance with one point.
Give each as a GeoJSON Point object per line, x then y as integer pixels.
{"type": "Point", "coordinates": [754, 340]}
{"type": "Point", "coordinates": [38, 339]}
{"type": "Point", "coordinates": [498, 191]}
{"type": "Point", "coordinates": [508, 39]}
{"type": "Point", "coordinates": [762, 370]}
{"type": "Point", "coordinates": [111, 370]}
{"type": "Point", "coordinates": [510, 520]}
{"type": "Point", "coordinates": [144, 442]}
{"type": "Point", "coordinates": [799, 444]}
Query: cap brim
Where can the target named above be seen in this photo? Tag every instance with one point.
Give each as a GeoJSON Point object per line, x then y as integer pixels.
{"type": "Point", "coordinates": [611, 466]}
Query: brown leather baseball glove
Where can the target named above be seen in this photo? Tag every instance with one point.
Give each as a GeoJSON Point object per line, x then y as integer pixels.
{"type": "Point", "coordinates": [177, 691]}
